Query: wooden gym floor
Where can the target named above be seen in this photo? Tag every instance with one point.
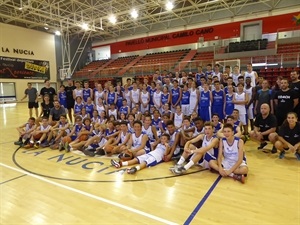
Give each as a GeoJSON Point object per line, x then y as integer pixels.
{"type": "Point", "coordinates": [50, 187]}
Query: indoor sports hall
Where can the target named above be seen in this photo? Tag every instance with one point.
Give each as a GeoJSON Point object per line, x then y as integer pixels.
{"type": "Point", "coordinates": [106, 43]}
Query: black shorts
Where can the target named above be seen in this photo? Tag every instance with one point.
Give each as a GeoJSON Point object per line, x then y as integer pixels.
{"type": "Point", "coordinates": [33, 105]}
{"type": "Point", "coordinates": [70, 104]}
{"type": "Point", "coordinates": [265, 138]}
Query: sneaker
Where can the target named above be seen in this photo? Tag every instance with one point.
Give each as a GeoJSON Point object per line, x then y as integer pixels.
{"type": "Point", "coordinates": [101, 151]}
{"type": "Point", "coordinates": [66, 145]}
{"type": "Point", "coordinates": [297, 154]}
{"type": "Point", "coordinates": [29, 145]}
{"type": "Point", "coordinates": [68, 148]}
{"type": "Point", "coordinates": [179, 170]}
{"type": "Point", "coordinates": [54, 146]}
{"type": "Point", "coordinates": [82, 148]}
{"type": "Point", "coordinates": [52, 142]}
{"type": "Point", "coordinates": [37, 145]}
{"type": "Point", "coordinates": [274, 150]}
{"type": "Point", "coordinates": [115, 163]}
{"type": "Point", "coordinates": [88, 153]}
{"type": "Point", "coordinates": [281, 155]}
{"type": "Point", "coordinates": [18, 142]}
{"type": "Point", "coordinates": [173, 167]}
{"type": "Point", "coordinates": [239, 177]}
{"type": "Point", "coordinates": [132, 170]}
{"type": "Point", "coordinates": [45, 144]}
{"type": "Point", "coordinates": [60, 146]}
{"type": "Point", "coordinates": [262, 145]}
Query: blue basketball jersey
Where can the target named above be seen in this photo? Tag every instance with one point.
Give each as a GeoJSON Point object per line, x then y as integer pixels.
{"type": "Point", "coordinates": [111, 98]}
{"type": "Point", "coordinates": [119, 100]}
{"type": "Point", "coordinates": [204, 99]}
{"type": "Point", "coordinates": [218, 98]}
{"type": "Point", "coordinates": [229, 106]}
{"type": "Point", "coordinates": [175, 95]}
{"type": "Point", "coordinates": [151, 91]}
{"type": "Point", "coordinates": [77, 108]}
{"type": "Point", "coordinates": [124, 109]}
{"type": "Point", "coordinates": [164, 98]}
{"type": "Point", "coordinates": [62, 97]}
{"type": "Point", "coordinates": [89, 109]}
{"type": "Point", "coordinates": [185, 99]}
{"type": "Point", "coordinates": [156, 123]}
{"type": "Point", "coordinates": [86, 94]}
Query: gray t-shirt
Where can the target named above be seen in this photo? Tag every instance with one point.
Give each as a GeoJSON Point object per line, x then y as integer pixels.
{"type": "Point", "coordinates": [32, 92]}
{"type": "Point", "coordinates": [56, 113]}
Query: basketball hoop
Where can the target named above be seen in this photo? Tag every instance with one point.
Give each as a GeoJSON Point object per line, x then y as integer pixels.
{"type": "Point", "coordinates": [65, 74]}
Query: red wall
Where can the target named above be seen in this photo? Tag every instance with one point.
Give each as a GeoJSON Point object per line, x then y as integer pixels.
{"type": "Point", "coordinates": [270, 25]}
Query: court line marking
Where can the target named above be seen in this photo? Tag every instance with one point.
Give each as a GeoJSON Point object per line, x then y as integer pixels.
{"type": "Point", "coordinates": [15, 178]}
{"type": "Point", "coordinates": [201, 203]}
{"type": "Point", "coordinates": [92, 196]}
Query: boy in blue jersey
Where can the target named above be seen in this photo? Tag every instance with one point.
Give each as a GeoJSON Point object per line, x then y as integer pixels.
{"type": "Point", "coordinates": [218, 100]}
{"type": "Point", "coordinates": [124, 108]}
{"type": "Point", "coordinates": [176, 94]}
{"type": "Point", "coordinates": [204, 103]}
{"type": "Point", "coordinates": [87, 92]}
{"type": "Point", "coordinates": [62, 96]}
{"type": "Point", "coordinates": [228, 105]}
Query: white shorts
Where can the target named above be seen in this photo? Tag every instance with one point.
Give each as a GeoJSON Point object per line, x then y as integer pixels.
{"type": "Point", "coordinates": [148, 159]}
{"type": "Point", "coordinates": [250, 113]}
{"type": "Point", "coordinates": [227, 165]}
{"type": "Point", "coordinates": [185, 109]}
{"type": "Point", "coordinates": [243, 119]}
{"type": "Point", "coordinates": [102, 142]}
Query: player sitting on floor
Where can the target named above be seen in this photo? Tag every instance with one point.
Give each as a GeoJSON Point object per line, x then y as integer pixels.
{"type": "Point", "coordinates": [208, 151]}
{"type": "Point", "coordinates": [39, 134]}
{"type": "Point", "coordinates": [150, 159]}
{"type": "Point", "coordinates": [231, 160]}
{"type": "Point", "coordinates": [25, 131]}
{"type": "Point", "coordinates": [59, 130]}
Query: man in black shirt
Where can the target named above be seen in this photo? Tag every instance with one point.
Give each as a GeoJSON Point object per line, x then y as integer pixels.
{"type": "Point", "coordinates": [70, 100]}
{"type": "Point", "coordinates": [265, 126]}
{"type": "Point", "coordinates": [295, 85]}
{"type": "Point", "coordinates": [48, 90]}
{"type": "Point", "coordinates": [285, 101]}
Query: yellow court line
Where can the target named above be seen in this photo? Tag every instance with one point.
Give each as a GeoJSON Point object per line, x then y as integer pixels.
{"type": "Point", "coordinates": [92, 196]}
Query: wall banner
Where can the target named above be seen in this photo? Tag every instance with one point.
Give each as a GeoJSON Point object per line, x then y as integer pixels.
{"type": "Point", "coordinates": [16, 68]}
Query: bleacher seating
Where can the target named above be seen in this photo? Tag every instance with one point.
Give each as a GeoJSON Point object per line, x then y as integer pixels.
{"type": "Point", "coordinates": [116, 65]}
{"type": "Point", "coordinates": [288, 48]}
{"type": "Point", "coordinates": [159, 60]}
{"type": "Point", "coordinates": [84, 72]}
{"type": "Point", "coordinates": [271, 74]}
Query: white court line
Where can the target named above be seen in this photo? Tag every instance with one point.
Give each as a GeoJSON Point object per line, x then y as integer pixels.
{"type": "Point", "coordinates": [92, 196]}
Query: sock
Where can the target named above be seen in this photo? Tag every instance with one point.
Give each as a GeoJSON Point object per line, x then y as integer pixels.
{"type": "Point", "coordinates": [125, 163]}
{"type": "Point", "coordinates": [189, 165]}
{"type": "Point", "coordinates": [138, 167]}
{"type": "Point", "coordinates": [231, 175]}
{"type": "Point", "coordinates": [31, 142]}
{"type": "Point", "coordinates": [38, 142]}
{"type": "Point", "coordinates": [181, 160]}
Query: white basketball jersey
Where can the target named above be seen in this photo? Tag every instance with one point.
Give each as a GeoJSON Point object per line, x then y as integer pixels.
{"type": "Point", "coordinates": [249, 93]}
{"type": "Point", "coordinates": [231, 152]}
{"type": "Point", "coordinates": [240, 97]}
{"type": "Point", "coordinates": [157, 98]}
{"type": "Point", "coordinates": [159, 152]}
{"type": "Point", "coordinates": [135, 94]}
{"type": "Point", "coordinates": [78, 92]}
{"type": "Point", "coordinates": [149, 132]}
{"type": "Point", "coordinates": [144, 97]}
{"type": "Point", "coordinates": [178, 119]}
{"type": "Point", "coordinates": [252, 76]}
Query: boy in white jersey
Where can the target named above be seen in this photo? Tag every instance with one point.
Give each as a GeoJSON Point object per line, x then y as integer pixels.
{"type": "Point", "coordinates": [150, 159]}
{"type": "Point", "coordinates": [138, 142]}
{"type": "Point", "coordinates": [240, 100]}
{"type": "Point", "coordinates": [174, 141]}
{"type": "Point", "coordinates": [59, 130]}
{"type": "Point", "coordinates": [150, 130]}
{"type": "Point", "coordinates": [207, 151]}
{"type": "Point", "coordinates": [231, 160]}
{"type": "Point", "coordinates": [25, 131]}
{"type": "Point", "coordinates": [39, 134]}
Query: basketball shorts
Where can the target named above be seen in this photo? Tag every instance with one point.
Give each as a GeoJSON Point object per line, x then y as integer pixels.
{"type": "Point", "coordinates": [148, 159]}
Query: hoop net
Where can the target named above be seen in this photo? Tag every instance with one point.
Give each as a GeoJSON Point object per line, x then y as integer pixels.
{"type": "Point", "coordinates": [65, 73]}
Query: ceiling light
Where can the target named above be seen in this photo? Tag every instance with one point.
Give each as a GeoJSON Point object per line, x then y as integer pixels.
{"type": "Point", "coordinates": [169, 5]}
{"type": "Point", "coordinates": [134, 14]}
{"type": "Point", "coordinates": [21, 8]}
{"type": "Point", "coordinates": [84, 26]}
{"type": "Point", "coordinates": [264, 64]}
{"type": "Point", "coordinates": [57, 33]}
{"type": "Point", "coordinates": [112, 19]}
{"type": "Point", "coordinates": [46, 28]}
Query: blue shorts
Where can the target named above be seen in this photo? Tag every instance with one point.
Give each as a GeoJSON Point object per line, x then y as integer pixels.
{"type": "Point", "coordinates": [204, 113]}
{"type": "Point", "coordinates": [218, 109]}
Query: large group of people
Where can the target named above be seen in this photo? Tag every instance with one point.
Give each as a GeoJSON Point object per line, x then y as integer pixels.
{"type": "Point", "coordinates": [203, 118]}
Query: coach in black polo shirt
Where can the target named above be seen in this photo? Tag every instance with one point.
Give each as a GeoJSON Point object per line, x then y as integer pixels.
{"type": "Point", "coordinates": [265, 126]}
{"type": "Point", "coordinates": [70, 100]}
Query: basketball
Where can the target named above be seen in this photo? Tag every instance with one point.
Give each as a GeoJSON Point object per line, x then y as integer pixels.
{"type": "Point", "coordinates": [37, 136]}
{"type": "Point", "coordinates": [83, 137]}
{"type": "Point", "coordinates": [109, 149]}
{"type": "Point", "coordinates": [126, 155]}
{"type": "Point", "coordinates": [67, 139]}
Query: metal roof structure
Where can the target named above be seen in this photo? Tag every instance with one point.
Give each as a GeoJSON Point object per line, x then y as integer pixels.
{"type": "Point", "coordinates": [68, 15]}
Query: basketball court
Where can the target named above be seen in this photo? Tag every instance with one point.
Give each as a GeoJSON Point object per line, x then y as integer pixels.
{"type": "Point", "coordinates": [44, 186]}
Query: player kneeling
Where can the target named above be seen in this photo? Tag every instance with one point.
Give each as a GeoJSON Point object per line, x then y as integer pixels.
{"type": "Point", "coordinates": [150, 159]}
{"type": "Point", "coordinates": [231, 160]}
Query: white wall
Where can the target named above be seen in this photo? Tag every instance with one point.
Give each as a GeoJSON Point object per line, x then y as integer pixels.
{"type": "Point", "coordinates": [40, 43]}
{"type": "Point", "coordinates": [102, 52]}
